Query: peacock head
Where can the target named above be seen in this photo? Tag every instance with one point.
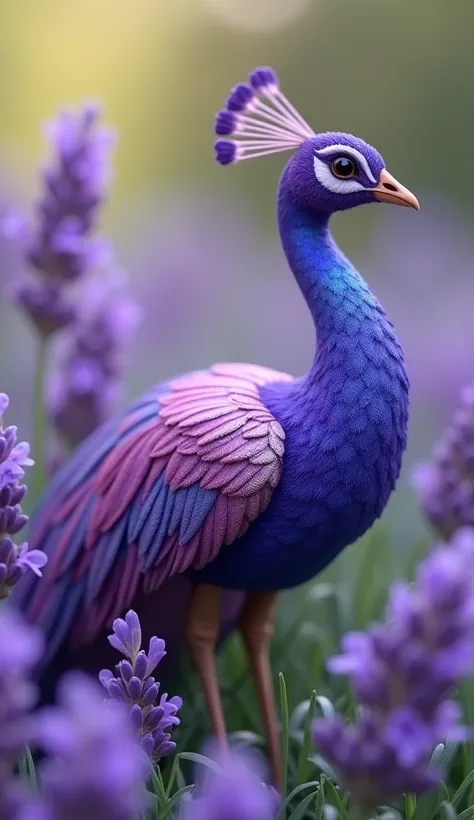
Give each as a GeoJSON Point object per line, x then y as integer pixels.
{"type": "Point", "coordinates": [329, 172]}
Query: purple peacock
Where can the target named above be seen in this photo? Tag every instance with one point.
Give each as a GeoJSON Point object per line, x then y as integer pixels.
{"type": "Point", "coordinates": [218, 489]}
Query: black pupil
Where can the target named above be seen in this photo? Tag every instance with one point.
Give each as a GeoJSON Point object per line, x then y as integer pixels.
{"type": "Point", "coordinates": [343, 167]}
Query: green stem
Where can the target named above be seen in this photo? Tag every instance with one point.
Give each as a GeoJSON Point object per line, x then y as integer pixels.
{"type": "Point", "coordinates": [38, 474]}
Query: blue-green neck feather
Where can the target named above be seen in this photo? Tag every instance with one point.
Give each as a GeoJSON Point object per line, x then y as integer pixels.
{"type": "Point", "coordinates": [345, 422]}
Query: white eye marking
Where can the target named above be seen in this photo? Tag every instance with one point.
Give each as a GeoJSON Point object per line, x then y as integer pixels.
{"type": "Point", "coordinates": [350, 152]}
{"type": "Point", "coordinates": [327, 179]}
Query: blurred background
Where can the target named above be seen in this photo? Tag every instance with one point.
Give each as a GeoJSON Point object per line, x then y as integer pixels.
{"type": "Point", "coordinates": [199, 242]}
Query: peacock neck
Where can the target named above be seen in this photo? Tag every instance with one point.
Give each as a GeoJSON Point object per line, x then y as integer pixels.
{"type": "Point", "coordinates": [341, 303]}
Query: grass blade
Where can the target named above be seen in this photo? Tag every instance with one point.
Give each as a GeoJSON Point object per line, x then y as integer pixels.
{"type": "Point", "coordinates": [285, 733]}
{"type": "Point", "coordinates": [299, 812]}
{"type": "Point", "coordinates": [194, 757]}
{"type": "Point", "coordinates": [297, 790]}
{"type": "Point", "coordinates": [303, 762]}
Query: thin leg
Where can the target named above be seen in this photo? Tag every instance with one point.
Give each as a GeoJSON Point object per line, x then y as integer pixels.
{"type": "Point", "coordinates": [202, 632]}
{"type": "Point", "coordinates": [256, 625]}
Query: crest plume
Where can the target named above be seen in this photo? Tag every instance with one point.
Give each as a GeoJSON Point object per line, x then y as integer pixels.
{"type": "Point", "coordinates": [260, 118]}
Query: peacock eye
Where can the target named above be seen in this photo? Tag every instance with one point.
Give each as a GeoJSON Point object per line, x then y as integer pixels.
{"type": "Point", "coordinates": [344, 168]}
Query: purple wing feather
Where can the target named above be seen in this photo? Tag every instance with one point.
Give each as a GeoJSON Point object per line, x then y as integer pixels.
{"type": "Point", "coordinates": [184, 473]}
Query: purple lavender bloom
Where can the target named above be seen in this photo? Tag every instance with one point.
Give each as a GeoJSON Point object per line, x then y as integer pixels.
{"type": "Point", "coordinates": [403, 672]}
{"type": "Point", "coordinates": [45, 303]}
{"type": "Point", "coordinates": [237, 792]}
{"type": "Point", "coordinates": [20, 649]}
{"type": "Point", "coordinates": [14, 456]}
{"type": "Point", "coordinates": [95, 768]}
{"type": "Point", "coordinates": [151, 718]}
{"type": "Point", "coordinates": [445, 485]}
{"type": "Point", "coordinates": [62, 248]}
{"type": "Point", "coordinates": [84, 387]}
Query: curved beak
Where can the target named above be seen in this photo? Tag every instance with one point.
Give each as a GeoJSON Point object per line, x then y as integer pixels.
{"type": "Point", "coordinates": [389, 190]}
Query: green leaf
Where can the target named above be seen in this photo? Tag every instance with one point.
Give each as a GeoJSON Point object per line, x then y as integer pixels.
{"type": "Point", "coordinates": [27, 769]}
{"type": "Point", "coordinates": [179, 795]}
{"type": "Point", "coordinates": [448, 811]}
{"type": "Point", "coordinates": [467, 814]}
{"type": "Point", "coordinates": [320, 800]}
{"type": "Point", "coordinates": [467, 700]}
{"type": "Point", "coordinates": [285, 732]}
{"type": "Point", "coordinates": [296, 791]}
{"type": "Point", "coordinates": [428, 804]}
{"type": "Point", "coordinates": [172, 776]}
{"type": "Point", "coordinates": [459, 794]}
{"type": "Point", "coordinates": [299, 812]}
{"type": "Point", "coordinates": [194, 757]}
{"type": "Point", "coordinates": [410, 806]}
{"type": "Point", "coordinates": [162, 807]}
{"type": "Point", "coordinates": [306, 745]}
{"type": "Point", "coordinates": [332, 792]}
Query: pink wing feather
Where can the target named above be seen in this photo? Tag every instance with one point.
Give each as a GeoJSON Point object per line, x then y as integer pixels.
{"type": "Point", "coordinates": [214, 430]}
{"type": "Point", "coordinates": [167, 492]}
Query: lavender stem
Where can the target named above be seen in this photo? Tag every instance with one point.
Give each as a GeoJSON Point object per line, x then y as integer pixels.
{"type": "Point", "coordinates": [39, 421]}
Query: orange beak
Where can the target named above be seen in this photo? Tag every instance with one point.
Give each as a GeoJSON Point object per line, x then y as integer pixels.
{"type": "Point", "coordinates": [389, 190]}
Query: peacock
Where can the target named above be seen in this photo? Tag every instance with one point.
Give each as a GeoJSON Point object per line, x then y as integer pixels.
{"type": "Point", "coordinates": [221, 487]}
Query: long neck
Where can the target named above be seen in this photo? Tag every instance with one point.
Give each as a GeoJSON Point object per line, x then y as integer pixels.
{"type": "Point", "coordinates": [340, 302]}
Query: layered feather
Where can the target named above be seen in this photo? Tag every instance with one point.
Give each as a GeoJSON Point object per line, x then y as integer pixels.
{"type": "Point", "coordinates": [185, 472]}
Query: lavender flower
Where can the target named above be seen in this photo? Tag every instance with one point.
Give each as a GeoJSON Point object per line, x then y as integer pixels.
{"type": "Point", "coordinates": [62, 249]}
{"type": "Point", "coordinates": [151, 718]}
{"type": "Point", "coordinates": [20, 648]}
{"type": "Point", "coordinates": [403, 672]}
{"type": "Point", "coordinates": [95, 768]}
{"type": "Point", "coordinates": [14, 456]}
{"type": "Point", "coordinates": [235, 792]}
{"type": "Point", "coordinates": [446, 485]}
{"type": "Point", "coordinates": [83, 389]}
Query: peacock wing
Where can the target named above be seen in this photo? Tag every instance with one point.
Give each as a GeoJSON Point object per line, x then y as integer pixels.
{"type": "Point", "coordinates": [181, 475]}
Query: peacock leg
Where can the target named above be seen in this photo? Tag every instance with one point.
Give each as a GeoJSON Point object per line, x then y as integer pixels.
{"type": "Point", "coordinates": [202, 632]}
{"type": "Point", "coordinates": [256, 625]}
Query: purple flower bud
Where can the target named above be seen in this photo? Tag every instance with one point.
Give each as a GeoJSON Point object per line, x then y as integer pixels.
{"type": "Point", "coordinates": [94, 768]}
{"type": "Point", "coordinates": [239, 98]}
{"type": "Point", "coordinates": [136, 716]}
{"type": "Point", "coordinates": [156, 653]}
{"type": "Point", "coordinates": [126, 670]}
{"type": "Point", "coordinates": [83, 389]}
{"type": "Point", "coordinates": [402, 672]}
{"type": "Point", "coordinates": [263, 78]}
{"type": "Point", "coordinates": [226, 151]}
{"type": "Point", "coordinates": [445, 486]}
{"type": "Point", "coordinates": [235, 790]}
{"type": "Point", "coordinates": [225, 123]}
{"type": "Point", "coordinates": [141, 665]}
{"type": "Point", "coordinates": [136, 687]}
{"type": "Point", "coordinates": [14, 560]}
{"type": "Point", "coordinates": [150, 695]}
{"type": "Point", "coordinates": [46, 305]}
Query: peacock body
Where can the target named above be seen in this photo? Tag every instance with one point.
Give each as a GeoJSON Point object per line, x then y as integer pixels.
{"type": "Point", "coordinates": [237, 478]}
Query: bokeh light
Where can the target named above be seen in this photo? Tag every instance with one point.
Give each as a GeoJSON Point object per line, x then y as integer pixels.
{"type": "Point", "coordinates": [258, 15]}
